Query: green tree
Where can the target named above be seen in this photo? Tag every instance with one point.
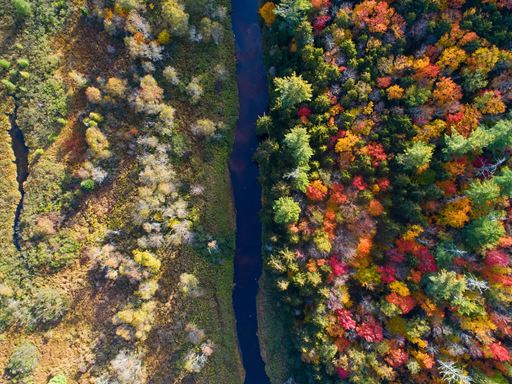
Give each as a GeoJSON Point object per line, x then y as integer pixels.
{"type": "Point", "coordinates": [502, 135]}
{"type": "Point", "coordinates": [495, 138]}
{"type": "Point", "coordinates": [291, 91]}
{"type": "Point", "coordinates": [415, 95]}
{"type": "Point", "coordinates": [23, 8]}
{"type": "Point", "coordinates": [293, 11]}
{"type": "Point", "coordinates": [446, 286]}
{"type": "Point", "coordinates": [458, 145]}
{"type": "Point", "coordinates": [264, 125]}
{"type": "Point", "coordinates": [173, 13]}
{"type": "Point", "coordinates": [482, 192]}
{"type": "Point", "coordinates": [87, 184]}
{"type": "Point", "coordinates": [297, 141]}
{"type": "Point", "coordinates": [286, 210]}
{"type": "Point", "coordinates": [484, 232]}
{"type": "Point", "coordinates": [504, 180]}
{"type": "Point", "coordinates": [416, 155]}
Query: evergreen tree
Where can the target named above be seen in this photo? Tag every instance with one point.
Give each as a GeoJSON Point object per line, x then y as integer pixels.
{"type": "Point", "coordinates": [481, 192]}
{"type": "Point", "coordinates": [293, 11]}
{"type": "Point", "coordinates": [484, 232]}
{"type": "Point", "coordinates": [416, 155]}
{"type": "Point", "coordinates": [504, 180]}
{"type": "Point", "coordinates": [297, 141]}
{"type": "Point", "coordinates": [291, 91]}
{"type": "Point", "coordinates": [446, 286]}
{"type": "Point", "coordinates": [286, 210]}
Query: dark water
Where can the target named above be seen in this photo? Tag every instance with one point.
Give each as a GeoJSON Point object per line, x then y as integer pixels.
{"type": "Point", "coordinates": [253, 97]}
{"type": "Point", "coordinates": [21, 154]}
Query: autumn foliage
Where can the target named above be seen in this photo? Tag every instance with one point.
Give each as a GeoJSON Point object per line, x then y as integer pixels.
{"type": "Point", "coordinates": [407, 193]}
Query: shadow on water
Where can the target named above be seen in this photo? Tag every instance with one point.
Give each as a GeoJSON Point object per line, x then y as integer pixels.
{"type": "Point", "coordinates": [21, 155]}
{"type": "Point", "coordinates": [253, 98]}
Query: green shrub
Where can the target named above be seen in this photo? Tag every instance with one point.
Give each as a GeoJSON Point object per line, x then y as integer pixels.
{"type": "Point", "coordinates": [8, 85]}
{"type": "Point", "coordinates": [4, 64]}
{"type": "Point", "coordinates": [48, 306]}
{"type": "Point", "coordinates": [57, 252]}
{"type": "Point", "coordinates": [22, 8]}
{"type": "Point", "coordinates": [23, 63]}
{"type": "Point", "coordinates": [173, 13]}
{"type": "Point", "coordinates": [59, 379]}
{"type": "Point", "coordinates": [87, 185]}
{"type": "Point", "coordinates": [23, 360]}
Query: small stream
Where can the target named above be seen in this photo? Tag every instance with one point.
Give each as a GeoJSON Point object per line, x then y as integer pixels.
{"type": "Point", "coordinates": [253, 98]}
{"type": "Point", "coordinates": [20, 150]}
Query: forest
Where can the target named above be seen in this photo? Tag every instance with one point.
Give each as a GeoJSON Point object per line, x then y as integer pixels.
{"type": "Point", "coordinates": [132, 152]}
{"type": "Point", "coordinates": [385, 162]}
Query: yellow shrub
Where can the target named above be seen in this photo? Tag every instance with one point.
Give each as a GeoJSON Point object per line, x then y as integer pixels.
{"type": "Point", "coordinates": [146, 259]}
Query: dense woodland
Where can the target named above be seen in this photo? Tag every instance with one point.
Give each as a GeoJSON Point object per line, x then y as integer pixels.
{"type": "Point", "coordinates": [387, 177]}
{"type": "Point", "coordinates": [385, 160]}
{"type": "Point", "coordinates": [121, 269]}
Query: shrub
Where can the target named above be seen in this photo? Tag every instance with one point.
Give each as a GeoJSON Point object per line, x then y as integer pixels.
{"type": "Point", "coordinates": [23, 360]}
{"type": "Point", "coordinates": [87, 185]}
{"type": "Point", "coordinates": [115, 87]}
{"type": "Point", "coordinates": [59, 379]}
{"type": "Point", "coordinates": [98, 143]}
{"type": "Point", "coordinates": [134, 322]}
{"type": "Point", "coordinates": [23, 63]}
{"type": "Point", "coordinates": [48, 306]}
{"type": "Point", "coordinates": [93, 94]}
{"type": "Point", "coordinates": [203, 127]}
{"type": "Point", "coordinates": [174, 15]}
{"type": "Point", "coordinates": [189, 284]}
{"type": "Point", "coordinates": [147, 259]}
{"type": "Point", "coordinates": [171, 75]}
{"type": "Point", "coordinates": [127, 368]}
{"type": "Point", "coordinates": [8, 85]}
{"type": "Point", "coordinates": [55, 252]}
{"type": "Point", "coordinates": [4, 64]}
{"type": "Point", "coordinates": [194, 90]}
{"type": "Point", "coordinates": [23, 8]}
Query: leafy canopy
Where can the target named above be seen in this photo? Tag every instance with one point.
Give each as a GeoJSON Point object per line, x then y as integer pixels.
{"type": "Point", "coordinates": [291, 91]}
{"type": "Point", "coordinates": [286, 210]}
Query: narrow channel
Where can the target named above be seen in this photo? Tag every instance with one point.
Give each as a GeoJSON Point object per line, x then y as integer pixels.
{"type": "Point", "coordinates": [20, 150]}
{"type": "Point", "coordinates": [253, 98]}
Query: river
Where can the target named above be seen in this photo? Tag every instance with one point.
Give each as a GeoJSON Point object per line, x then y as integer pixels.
{"type": "Point", "coordinates": [253, 98]}
{"type": "Point", "coordinates": [21, 155]}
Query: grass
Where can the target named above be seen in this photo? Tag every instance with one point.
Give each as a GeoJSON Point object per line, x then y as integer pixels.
{"type": "Point", "coordinates": [8, 190]}
{"type": "Point", "coordinates": [85, 337]}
